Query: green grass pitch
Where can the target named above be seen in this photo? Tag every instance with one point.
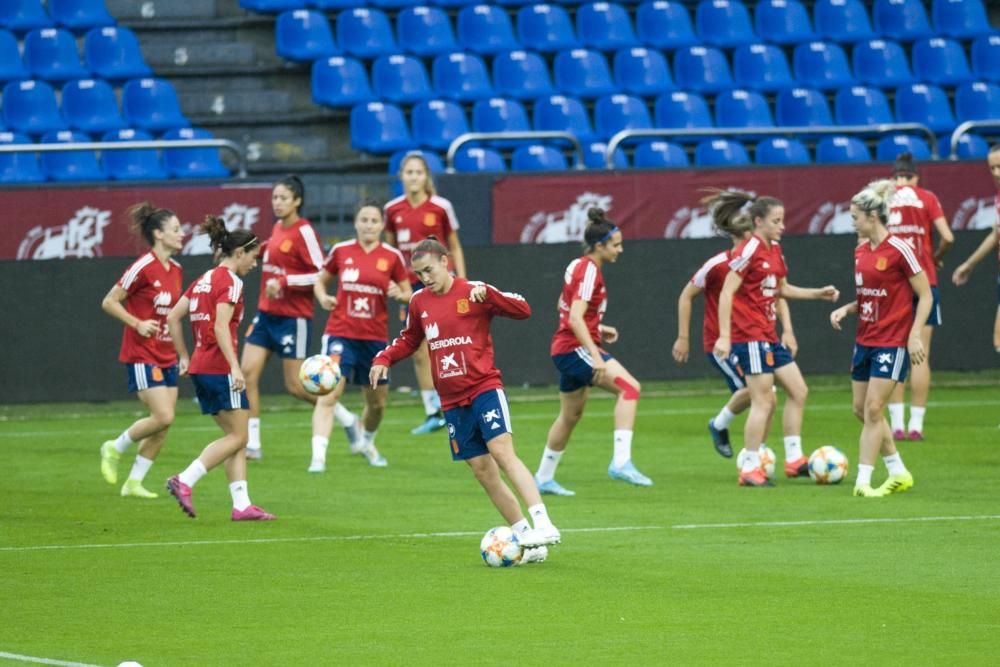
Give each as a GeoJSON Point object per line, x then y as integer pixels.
{"type": "Point", "coordinates": [381, 566]}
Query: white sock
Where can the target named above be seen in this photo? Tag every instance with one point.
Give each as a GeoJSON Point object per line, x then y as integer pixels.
{"type": "Point", "coordinates": [547, 466]}
{"type": "Point", "coordinates": [864, 475]}
{"type": "Point", "coordinates": [521, 526]}
{"type": "Point", "coordinates": [193, 473]}
{"type": "Point", "coordinates": [253, 429]}
{"type": "Point", "coordinates": [540, 516]}
{"type": "Point", "coordinates": [431, 401]}
{"type": "Point", "coordinates": [896, 416]}
{"type": "Point", "coordinates": [917, 418]}
{"type": "Point", "coordinates": [894, 462]}
{"type": "Point", "coordinates": [623, 448]}
{"type": "Point", "coordinates": [368, 437]}
{"type": "Point", "coordinates": [123, 442]}
{"type": "Point", "coordinates": [344, 417]}
{"type": "Point", "coordinates": [723, 419]}
{"type": "Point", "coordinates": [751, 461]}
{"type": "Point", "coordinates": [319, 445]}
{"type": "Point", "coordinates": [793, 447]}
{"type": "Point", "coordinates": [241, 496]}
{"type": "Point", "coordinates": [140, 468]}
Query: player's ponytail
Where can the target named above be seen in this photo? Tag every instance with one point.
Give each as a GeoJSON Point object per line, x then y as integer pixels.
{"type": "Point", "coordinates": [429, 246]}
{"type": "Point", "coordinates": [735, 212]}
{"type": "Point", "coordinates": [599, 229]}
{"type": "Point", "coordinates": [429, 183]}
{"type": "Point", "coordinates": [904, 166]}
{"type": "Point", "coordinates": [225, 242]}
{"type": "Point", "coordinates": [294, 185]}
{"type": "Point", "coordinates": [146, 219]}
{"type": "Point", "coordinates": [876, 199]}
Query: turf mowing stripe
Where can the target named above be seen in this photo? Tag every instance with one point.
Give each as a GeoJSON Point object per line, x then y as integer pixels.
{"type": "Point", "coordinates": [827, 522]}
{"type": "Point", "coordinates": [44, 661]}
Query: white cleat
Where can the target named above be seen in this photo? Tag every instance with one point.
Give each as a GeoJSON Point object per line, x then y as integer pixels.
{"type": "Point", "coordinates": [538, 537]}
{"type": "Point", "coordinates": [317, 466]}
{"type": "Point", "coordinates": [374, 458]}
{"type": "Point", "coordinates": [534, 555]}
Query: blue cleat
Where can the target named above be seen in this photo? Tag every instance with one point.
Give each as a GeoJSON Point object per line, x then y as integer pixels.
{"type": "Point", "coordinates": [553, 488]}
{"type": "Point", "coordinates": [720, 438]}
{"type": "Point", "coordinates": [629, 473]}
{"type": "Point", "coordinates": [431, 424]}
{"type": "Point", "coordinates": [353, 433]}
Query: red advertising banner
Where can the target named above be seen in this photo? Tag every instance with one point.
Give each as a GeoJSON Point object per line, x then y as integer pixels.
{"type": "Point", "coordinates": [91, 222]}
{"type": "Point", "coordinates": [664, 204]}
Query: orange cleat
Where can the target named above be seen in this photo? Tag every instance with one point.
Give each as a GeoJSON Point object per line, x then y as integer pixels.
{"type": "Point", "coordinates": [797, 468]}
{"type": "Point", "coordinates": [754, 478]}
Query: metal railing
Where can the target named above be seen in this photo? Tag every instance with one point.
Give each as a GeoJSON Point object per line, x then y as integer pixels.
{"type": "Point", "coordinates": [963, 129]}
{"type": "Point", "coordinates": [463, 139]}
{"type": "Point", "coordinates": [884, 128]}
{"type": "Point", "coordinates": [224, 144]}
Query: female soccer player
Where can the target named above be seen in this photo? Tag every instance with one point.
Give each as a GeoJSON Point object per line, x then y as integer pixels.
{"type": "Point", "coordinates": [419, 213]}
{"type": "Point", "coordinates": [293, 259]}
{"type": "Point", "coordinates": [454, 315]}
{"type": "Point", "coordinates": [582, 363]}
{"type": "Point", "coordinates": [141, 300]}
{"type": "Point", "coordinates": [368, 273]}
{"type": "Point", "coordinates": [915, 213]}
{"type": "Point", "coordinates": [215, 305]}
{"type": "Point", "coordinates": [887, 274]}
{"type": "Point", "coordinates": [747, 314]}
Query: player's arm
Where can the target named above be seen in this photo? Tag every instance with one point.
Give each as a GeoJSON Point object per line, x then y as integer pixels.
{"type": "Point", "coordinates": [174, 317]}
{"type": "Point", "coordinates": [837, 316]}
{"type": "Point", "coordinates": [825, 293]}
{"type": "Point", "coordinates": [787, 331]}
{"type": "Point", "coordinates": [223, 316]}
{"type": "Point", "coordinates": [922, 288]}
{"type": "Point", "coordinates": [113, 305]}
{"type": "Point", "coordinates": [390, 237]}
{"type": "Point", "coordinates": [723, 345]}
{"type": "Point", "coordinates": [682, 345]}
{"type": "Point", "coordinates": [964, 270]}
{"type": "Point", "coordinates": [406, 343]}
{"type": "Point", "coordinates": [326, 300]}
{"type": "Point", "coordinates": [507, 304]}
{"type": "Point", "coordinates": [945, 239]}
{"type": "Point", "coordinates": [400, 290]}
{"type": "Point", "coordinates": [457, 254]}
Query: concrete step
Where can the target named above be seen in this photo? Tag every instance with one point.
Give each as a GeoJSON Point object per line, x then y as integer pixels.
{"type": "Point", "coordinates": [125, 10]}
{"type": "Point", "coordinates": [160, 56]}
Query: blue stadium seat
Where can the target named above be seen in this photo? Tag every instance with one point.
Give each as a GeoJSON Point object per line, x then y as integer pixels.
{"type": "Point", "coordinates": [336, 5]}
{"type": "Point", "coordinates": [436, 123]}
{"type": "Point", "coordinates": [779, 150]}
{"type": "Point", "coordinates": [461, 76]}
{"type": "Point", "coordinates": [860, 105]}
{"type": "Point", "coordinates": [970, 147]}
{"type": "Point", "coordinates": [940, 61]}
{"type": "Point", "coordinates": [272, 6]}
{"type": "Point", "coordinates": [474, 159]}
{"type": "Point", "coordinates": [30, 107]}
{"type": "Point", "coordinates": [425, 31]}
{"type": "Point", "coordinates": [842, 21]}
{"type": "Point", "coordinates": [903, 20]}
{"type": "Point", "coordinates": [614, 113]}
{"type": "Point", "coordinates": [18, 167]}
{"type": "Point", "coordinates": [561, 113]}
{"type": "Point", "coordinates": [761, 67]}
{"type": "Point", "coordinates": [682, 111]}
{"type": "Point", "coordinates": [11, 67]}
{"type": "Point", "coordinates": [925, 104]}
{"type": "Point", "coordinates": [138, 164]}
{"type": "Point", "coordinates": [379, 128]}
{"type": "Point", "coordinates": [664, 24]}
{"type": "Point", "coordinates": [594, 156]}
{"type": "Point", "coordinates": [742, 108]}
{"type": "Point", "coordinates": [50, 54]}
{"type": "Point", "coordinates": [498, 114]}
{"type": "Point", "coordinates": [821, 65]}
{"type": "Point", "coordinates": [433, 161]}
{"type": "Point", "coordinates": [842, 149]}
{"type": "Point", "coordinates": [303, 36]}
{"type": "Point", "coordinates": [538, 158]}
{"type": "Point", "coordinates": [986, 58]}
{"type": "Point", "coordinates": [962, 19]}
{"type": "Point", "coordinates": [659, 155]}
{"type": "Point", "coordinates": [702, 69]}
{"type": "Point", "coordinates": [151, 104]}
{"type": "Point", "coordinates": [583, 73]}
{"type": "Point", "coordinates": [894, 144]}
{"type": "Point", "coordinates": [783, 22]}
{"type": "Point", "coordinates": [881, 63]}
{"type": "Point", "coordinates": [802, 107]}
{"type": "Point", "coordinates": [193, 162]}
{"type": "Point", "coordinates": [546, 27]}
{"type": "Point", "coordinates": [521, 75]}
{"type": "Point", "coordinates": [720, 153]}
{"type": "Point", "coordinates": [977, 101]}
{"type": "Point", "coordinates": [80, 15]}
{"type": "Point", "coordinates": [114, 54]}
{"type": "Point", "coordinates": [455, 3]}
{"type": "Point", "coordinates": [642, 71]}
{"type": "Point", "coordinates": [486, 29]}
{"type": "Point", "coordinates": [89, 105]}
{"type": "Point", "coordinates": [70, 165]}
{"type": "Point", "coordinates": [724, 23]}
{"type": "Point", "coordinates": [20, 16]}
{"type": "Point", "coordinates": [340, 81]}
{"type": "Point", "coordinates": [365, 33]}
{"type": "Point", "coordinates": [390, 4]}
{"type": "Point", "coordinates": [605, 26]}
{"type": "Point", "coordinates": [400, 79]}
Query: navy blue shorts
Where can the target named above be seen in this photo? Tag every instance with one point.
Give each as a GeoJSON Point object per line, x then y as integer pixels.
{"type": "Point", "coordinates": [354, 356]}
{"type": "Point", "coordinates": [470, 427]}
{"type": "Point", "coordinates": [215, 394]}
{"type": "Point", "coordinates": [758, 357]}
{"type": "Point", "coordinates": [576, 368]}
{"type": "Point", "coordinates": [934, 319]}
{"type": "Point", "coordinates": [147, 376]}
{"type": "Point", "coordinates": [891, 363]}
{"type": "Point", "coordinates": [732, 373]}
{"type": "Point", "coordinates": [288, 336]}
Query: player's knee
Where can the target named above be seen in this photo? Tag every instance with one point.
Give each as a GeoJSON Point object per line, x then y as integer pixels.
{"type": "Point", "coordinates": [163, 417]}
{"type": "Point", "coordinates": [630, 389]}
{"type": "Point", "coordinates": [874, 411]}
{"type": "Point", "coordinates": [859, 411]}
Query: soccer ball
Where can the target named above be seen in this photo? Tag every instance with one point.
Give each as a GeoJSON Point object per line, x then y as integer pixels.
{"type": "Point", "coordinates": [501, 547]}
{"type": "Point", "coordinates": [766, 460]}
{"type": "Point", "coordinates": [319, 374]}
{"type": "Point", "coordinates": [827, 465]}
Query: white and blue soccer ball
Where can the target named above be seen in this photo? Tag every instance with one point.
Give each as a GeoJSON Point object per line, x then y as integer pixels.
{"type": "Point", "coordinates": [827, 465]}
{"type": "Point", "coordinates": [500, 547]}
{"type": "Point", "coordinates": [767, 459]}
{"type": "Point", "coordinates": [319, 374]}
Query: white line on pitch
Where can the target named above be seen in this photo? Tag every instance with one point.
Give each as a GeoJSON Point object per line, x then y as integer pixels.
{"type": "Point", "coordinates": [44, 661]}
{"type": "Point", "coordinates": [825, 522]}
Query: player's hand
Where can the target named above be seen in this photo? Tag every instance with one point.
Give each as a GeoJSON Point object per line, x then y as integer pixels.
{"type": "Point", "coordinates": [681, 350]}
{"type": "Point", "coordinates": [328, 302]}
{"type": "Point", "coordinates": [394, 292]}
{"type": "Point", "coordinates": [609, 334]}
{"type": "Point", "coordinates": [182, 366]}
{"type": "Point", "coordinates": [722, 348]}
{"type": "Point", "coordinates": [961, 274]}
{"type": "Point", "coordinates": [238, 383]}
{"type": "Point", "coordinates": [272, 288]}
{"type": "Point", "coordinates": [916, 349]}
{"type": "Point", "coordinates": [789, 341]}
{"type": "Point", "coordinates": [378, 372]}
{"type": "Point", "coordinates": [836, 317]}
{"type": "Point", "coordinates": [147, 328]}
{"type": "Point", "coordinates": [478, 294]}
{"type": "Point", "coordinates": [600, 368]}
{"type": "Point", "coordinates": [829, 293]}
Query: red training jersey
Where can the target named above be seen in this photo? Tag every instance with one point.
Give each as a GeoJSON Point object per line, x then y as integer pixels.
{"type": "Point", "coordinates": [218, 285]}
{"type": "Point", "coordinates": [362, 283]}
{"type": "Point", "coordinates": [458, 338]}
{"type": "Point", "coordinates": [152, 290]}
{"type": "Point", "coordinates": [709, 279]}
{"type": "Point", "coordinates": [885, 298]}
{"type": "Point", "coordinates": [755, 309]}
{"type": "Point", "coordinates": [294, 257]}
{"type": "Point", "coordinates": [582, 281]}
{"type": "Point", "coordinates": [912, 217]}
{"type": "Point", "coordinates": [412, 224]}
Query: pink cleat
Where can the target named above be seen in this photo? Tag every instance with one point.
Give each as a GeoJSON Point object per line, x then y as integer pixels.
{"type": "Point", "coordinates": [182, 492]}
{"type": "Point", "coordinates": [252, 513]}
{"type": "Point", "coordinates": [916, 435]}
{"type": "Point", "coordinates": [899, 434]}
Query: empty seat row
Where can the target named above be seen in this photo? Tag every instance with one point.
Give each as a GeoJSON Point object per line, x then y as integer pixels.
{"type": "Point", "coordinates": [25, 15]}
{"type": "Point", "coordinates": [51, 54]}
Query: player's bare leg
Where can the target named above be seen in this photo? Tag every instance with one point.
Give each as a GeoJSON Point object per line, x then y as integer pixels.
{"type": "Point", "coordinates": [996, 331]}
{"type": "Point", "coordinates": [621, 383]}
{"type": "Point", "coordinates": [488, 474]}
{"type": "Point", "coordinates": [790, 379]}
{"type": "Point", "coordinates": [920, 388]}
{"type": "Point", "coordinates": [371, 418]}
{"type": "Point", "coordinates": [571, 405]}
{"type": "Point", "coordinates": [869, 403]}
{"type": "Point", "coordinates": [322, 424]}
{"type": "Point", "coordinates": [290, 374]}
{"type": "Point", "coordinates": [161, 402]}
{"type": "Point", "coordinates": [252, 364]}
{"type": "Point", "coordinates": [432, 403]}
{"type": "Point", "coordinates": [762, 404]}
{"type": "Point", "coordinates": [502, 452]}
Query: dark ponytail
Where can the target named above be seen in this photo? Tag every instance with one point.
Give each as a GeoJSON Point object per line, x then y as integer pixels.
{"type": "Point", "coordinates": [734, 211]}
{"type": "Point", "coordinates": [294, 185]}
{"type": "Point", "coordinates": [225, 242]}
{"type": "Point", "coordinates": [146, 218]}
{"type": "Point", "coordinates": [904, 165]}
{"type": "Point", "coordinates": [599, 229]}
{"type": "Point", "coordinates": [429, 246]}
